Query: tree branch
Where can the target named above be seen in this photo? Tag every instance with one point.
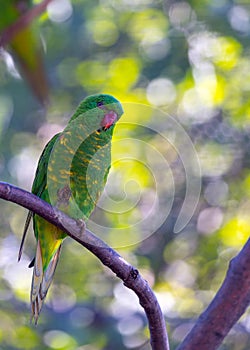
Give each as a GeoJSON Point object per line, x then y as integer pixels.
{"type": "Point", "coordinates": [22, 22]}
{"type": "Point", "coordinates": [225, 309]}
{"type": "Point", "coordinates": [214, 323]}
{"type": "Point", "coordinates": [127, 273]}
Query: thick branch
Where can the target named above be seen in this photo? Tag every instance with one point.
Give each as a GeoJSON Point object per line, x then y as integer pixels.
{"type": "Point", "coordinates": [22, 22]}
{"type": "Point", "coordinates": [109, 257]}
{"type": "Point", "coordinates": [226, 308]}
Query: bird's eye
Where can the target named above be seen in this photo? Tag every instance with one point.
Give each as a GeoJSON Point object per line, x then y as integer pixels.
{"type": "Point", "coordinates": [99, 104]}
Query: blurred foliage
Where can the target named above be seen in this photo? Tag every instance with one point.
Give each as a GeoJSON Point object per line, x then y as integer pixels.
{"type": "Point", "coordinates": [24, 44]}
{"type": "Point", "coordinates": [187, 60]}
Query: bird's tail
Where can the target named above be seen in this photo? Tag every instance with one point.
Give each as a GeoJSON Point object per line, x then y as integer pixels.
{"type": "Point", "coordinates": [41, 281]}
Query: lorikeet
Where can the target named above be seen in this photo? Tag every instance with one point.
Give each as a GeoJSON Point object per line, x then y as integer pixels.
{"type": "Point", "coordinates": [25, 46]}
{"type": "Point", "coordinates": [71, 174]}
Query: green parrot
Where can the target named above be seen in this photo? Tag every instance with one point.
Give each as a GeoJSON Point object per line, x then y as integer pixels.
{"type": "Point", "coordinates": [71, 174]}
{"type": "Point", "coordinates": [25, 46]}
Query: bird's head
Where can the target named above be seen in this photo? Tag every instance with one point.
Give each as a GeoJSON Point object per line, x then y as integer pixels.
{"type": "Point", "coordinates": [99, 112]}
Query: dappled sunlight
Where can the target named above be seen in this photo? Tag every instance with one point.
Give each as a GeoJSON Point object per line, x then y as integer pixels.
{"type": "Point", "coordinates": [60, 11]}
{"type": "Point", "coordinates": [62, 298]}
{"type": "Point", "coordinates": [124, 304]}
{"type": "Point", "coordinates": [24, 176]}
{"type": "Point", "coordinates": [239, 19]}
{"type": "Point", "coordinates": [209, 220]}
{"type": "Point", "coordinates": [235, 232]}
{"type": "Point", "coordinates": [177, 200]}
{"type": "Point", "coordinates": [161, 92]}
{"type": "Point", "coordinates": [57, 339]}
{"type": "Point", "coordinates": [6, 112]}
{"type": "Point", "coordinates": [216, 160]}
{"type": "Point", "coordinates": [82, 317]}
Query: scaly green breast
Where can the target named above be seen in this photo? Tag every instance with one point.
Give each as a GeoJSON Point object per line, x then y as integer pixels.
{"type": "Point", "coordinates": [77, 171]}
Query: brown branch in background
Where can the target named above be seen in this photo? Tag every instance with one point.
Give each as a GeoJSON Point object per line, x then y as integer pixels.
{"type": "Point", "coordinates": [22, 22]}
{"type": "Point", "coordinates": [109, 257]}
{"type": "Point", "coordinates": [226, 308]}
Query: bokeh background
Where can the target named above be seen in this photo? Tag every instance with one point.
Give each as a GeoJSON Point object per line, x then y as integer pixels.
{"type": "Point", "coordinates": [164, 60]}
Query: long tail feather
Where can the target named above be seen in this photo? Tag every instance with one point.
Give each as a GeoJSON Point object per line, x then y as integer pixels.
{"type": "Point", "coordinates": [26, 226]}
{"type": "Point", "coordinates": [41, 281]}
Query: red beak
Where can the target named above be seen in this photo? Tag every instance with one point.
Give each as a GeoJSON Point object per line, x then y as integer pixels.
{"type": "Point", "coordinates": [109, 119]}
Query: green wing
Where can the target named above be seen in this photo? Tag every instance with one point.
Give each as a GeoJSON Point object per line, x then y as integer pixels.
{"type": "Point", "coordinates": [40, 180]}
{"type": "Point", "coordinates": [39, 184]}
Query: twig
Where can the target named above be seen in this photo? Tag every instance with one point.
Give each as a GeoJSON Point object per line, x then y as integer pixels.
{"type": "Point", "coordinates": [22, 22]}
{"type": "Point", "coordinates": [226, 308]}
{"type": "Point", "coordinates": [109, 257]}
